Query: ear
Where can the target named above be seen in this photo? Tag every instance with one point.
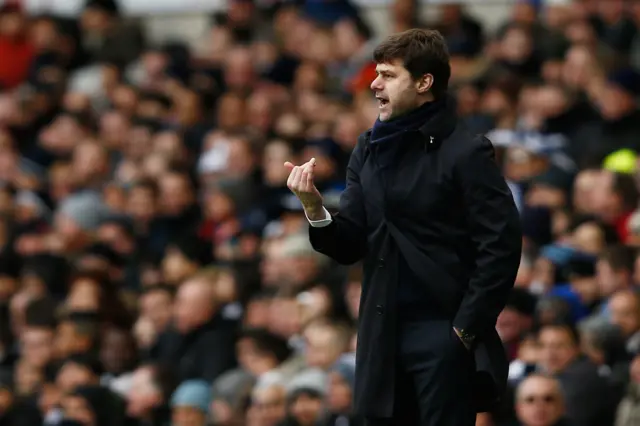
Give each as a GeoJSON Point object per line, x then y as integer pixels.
{"type": "Point", "coordinates": [424, 83]}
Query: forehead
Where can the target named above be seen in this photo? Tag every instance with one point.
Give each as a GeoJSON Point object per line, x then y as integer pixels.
{"type": "Point", "coordinates": [555, 333]}
{"type": "Point", "coordinates": [395, 65]}
{"type": "Point", "coordinates": [537, 384]}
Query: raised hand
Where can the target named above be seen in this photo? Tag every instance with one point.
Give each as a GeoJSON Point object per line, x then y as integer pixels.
{"type": "Point", "coordinates": [301, 183]}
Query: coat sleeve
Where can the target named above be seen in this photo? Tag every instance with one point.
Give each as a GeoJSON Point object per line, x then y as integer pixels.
{"type": "Point", "coordinates": [493, 223]}
{"type": "Point", "coordinates": [345, 238]}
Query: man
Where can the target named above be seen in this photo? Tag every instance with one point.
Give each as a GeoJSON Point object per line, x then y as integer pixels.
{"type": "Point", "coordinates": [539, 402]}
{"type": "Point", "coordinates": [427, 209]}
{"type": "Point", "coordinates": [588, 397]}
{"type": "Point", "coordinates": [624, 307]}
{"type": "Point", "coordinates": [77, 333]}
{"type": "Point", "coordinates": [200, 343]}
{"type": "Point", "coordinates": [148, 398]}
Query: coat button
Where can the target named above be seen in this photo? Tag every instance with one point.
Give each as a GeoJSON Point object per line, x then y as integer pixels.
{"type": "Point", "coordinates": [379, 309]}
{"type": "Point", "coordinates": [381, 263]}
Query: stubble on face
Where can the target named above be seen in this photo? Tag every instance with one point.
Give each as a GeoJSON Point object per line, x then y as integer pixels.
{"type": "Point", "coordinates": [394, 89]}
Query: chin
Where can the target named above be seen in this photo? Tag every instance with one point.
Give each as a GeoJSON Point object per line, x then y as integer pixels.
{"type": "Point", "coordinates": [385, 115]}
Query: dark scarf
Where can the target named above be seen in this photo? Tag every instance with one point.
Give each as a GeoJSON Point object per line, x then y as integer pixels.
{"type": "Point", "coordinates": [394, 129]}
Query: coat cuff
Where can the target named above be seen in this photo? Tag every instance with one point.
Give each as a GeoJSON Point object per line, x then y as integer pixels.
{"type": "Point", "coordinates": [322, 222]}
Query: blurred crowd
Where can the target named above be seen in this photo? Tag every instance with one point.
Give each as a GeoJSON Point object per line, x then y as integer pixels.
{"type": "Point", "coordinates": [155, 270]}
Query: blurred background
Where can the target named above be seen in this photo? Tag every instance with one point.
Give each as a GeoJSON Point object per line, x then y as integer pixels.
{"type": "Point", "coordinates": [155, 270]}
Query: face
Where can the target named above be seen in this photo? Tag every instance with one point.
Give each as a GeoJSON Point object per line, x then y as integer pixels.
{"type": "Point", "coordinates": [625, 312]}
{"type": "Point", "coordinates": [221, 412]}
{"type": "Point", "coordinates": [156, 306]}
{"type": "Point", "coordinates": [557, 350]}
{"type": "Point", "coordinates": [321, 350]}
{"type": "Point", "coordinates": [510, 325]}
{"type": "Point", "coordinates": [219, 206]}
{"type": "Point", "coordinates": [73, 375]}
{"type": "Point", "coordinates": [84, 296]}
{"type": "Point", "coordinates": [339, 394]}
{"type": "Point", "coordinates": [28, 378]}
{"type": "Point", "coordinates": [142, 204]}
{"type": "Point", "coordinates": [306, 409]}
{"type": "Point", "coordinates": [65, 340]}
{"type": "Point", "coordinates": [269, 405]}
{"type": "Point", "coordinates": [114, 128]}
{"type": "Point", "coordinates": [176, 267]}
{"type": "Point", "coordinates": [257, 314]}
{"type": "Point", "coordinates": [608, 280]}
{"type": "Point", "coordinates": [284, 317]}
{"type": "Point", "coordinates": [275, 154]}
{"type": "Point", "coordinates": [516, 46]}
{"type": "Point", "coordinates": [239, 69]}
{"type": "Point", "coordinates": [582, 190]}
{"type": "Point", "coordinates": [139, 142]}
{"type": "Point", "coordinates": [76, 408]}
{"type": "Point", "coordinates": [588, 238]}
{"type": "Point", "coordinates": [175, 194]}
{"type": "Point", "coordinates": [396, 91]}
{"type": "Point", "coordinates": [193, 305]}
{"type": "Point", "coordinates": [116, 351]}
{"type": "Point", "coordinates": [543, 273]}
{"type": "Point", "coordinates": [188, 416]}
{"type": "Point", "coordinates": [241, 158]}
{"type": "Point", "coordinates": [615, 103]}
{"type": "Point", "coordinates": [37, 346]}
{"type": "Point", "coordinates": [539, 402]}
{"type": "Point", "coordinates": [143, 395]}
{"type": "Point", "coordinates": [577, 67]}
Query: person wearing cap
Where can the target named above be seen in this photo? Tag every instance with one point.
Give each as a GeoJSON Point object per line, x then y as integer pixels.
{"type": "Point", "coordinates": [305, 396]}
{"type": "Point", "coordinates": [190, 403]}
{"type": "Point", "coordinates": [340, 389]}
{"type": "Point", "coordinates": [428, 210]}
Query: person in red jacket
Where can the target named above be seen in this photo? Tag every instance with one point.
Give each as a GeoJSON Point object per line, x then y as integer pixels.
{"type": "Point", "coordinates": [16, 51]}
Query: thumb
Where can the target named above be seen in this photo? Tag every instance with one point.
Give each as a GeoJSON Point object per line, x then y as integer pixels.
{"type": "Point", "coordinates": [289, 165]}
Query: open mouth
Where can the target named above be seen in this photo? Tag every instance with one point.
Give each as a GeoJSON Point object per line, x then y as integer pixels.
{"type": "Point", "coordinates": [382, 102]}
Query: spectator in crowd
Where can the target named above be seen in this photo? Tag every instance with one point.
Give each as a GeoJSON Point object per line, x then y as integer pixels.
{"type": "Point", "coordinates": [628, 409]}
{"type": "Point", "coordinates": [560, 356]}
{"type": "Point", "coordinates": [540, 402]}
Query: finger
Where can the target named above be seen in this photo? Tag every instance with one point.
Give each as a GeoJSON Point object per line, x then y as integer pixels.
{"type": "Point", "coordinates": [304, 178]}
{"type": "Point", "coordinates": [309, 163]}
{"type": "Point", "coordinates": [297, 174]}
{"type": "Point", "coordinates": [289, 165]}
{"type": "Point", "coordinates": [291, 178]}
{"type": "Point", "coordinates": [308, 177]}
{"type": "Point", "coordinates": [310, 183]}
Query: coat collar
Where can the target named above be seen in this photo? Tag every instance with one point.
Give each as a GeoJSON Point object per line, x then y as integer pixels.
{"type": "Point", "coordinates": [441, 125]}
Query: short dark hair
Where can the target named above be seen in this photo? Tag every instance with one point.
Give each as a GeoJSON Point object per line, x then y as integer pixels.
{"type": "Point", "coordinates": [159, 288]}
{"type": "Point", "coordinates": [567, 327]}
{"type": "Point", "coordinates": [41, 312]}
{"type": "Point", "coordinates": [421, 52]}
{"type": "Point", "coordinates": [267, 343]}
{"type": "Point", "coordinates": [619, 257]}
{"type": "Point", "coordinates": [625, 187]}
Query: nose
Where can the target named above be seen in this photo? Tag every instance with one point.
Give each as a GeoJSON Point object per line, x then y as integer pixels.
{"type": "Point", "coordinates": [376, 84]}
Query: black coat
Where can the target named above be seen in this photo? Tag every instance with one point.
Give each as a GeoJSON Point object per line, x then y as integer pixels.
{"type": "Point", "coordinates": [204, 353]}
{"type": "Point", "coordinates": [443, 210]}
